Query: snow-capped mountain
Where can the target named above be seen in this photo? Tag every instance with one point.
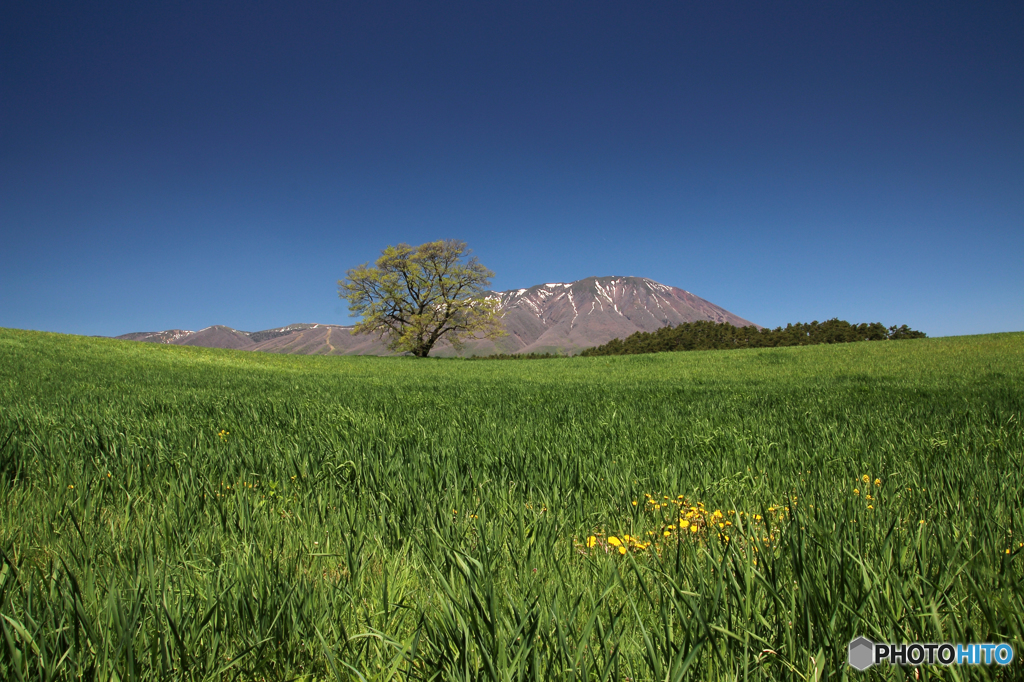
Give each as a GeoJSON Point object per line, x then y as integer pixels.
{"type": "Point", "coordinates": [557, 317]}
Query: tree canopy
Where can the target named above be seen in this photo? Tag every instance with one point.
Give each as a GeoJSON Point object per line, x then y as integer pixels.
{"type": "Point", "coordinates": [415, 296]}
{"type": "Point", "coordinates": [707, 335]}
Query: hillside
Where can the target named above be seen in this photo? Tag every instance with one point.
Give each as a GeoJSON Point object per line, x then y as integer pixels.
{"type": "Point", "coordinates": [188, 509]}
{"type": "Point", "coordinates": [554, 318]}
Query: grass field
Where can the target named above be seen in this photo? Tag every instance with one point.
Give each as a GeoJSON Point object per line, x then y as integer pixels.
{"type": "Point", "coordinates": [186, 513]}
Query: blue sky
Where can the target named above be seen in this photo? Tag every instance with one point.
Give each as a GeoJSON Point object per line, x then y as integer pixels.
{"type": "Point", "coordinates": [177, 165]}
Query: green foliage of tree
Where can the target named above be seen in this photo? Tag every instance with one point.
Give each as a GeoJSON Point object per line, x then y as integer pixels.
{"type": "Point", "coordinates": [415, 296]}
{"type": "Point", "coordinates": [707, 335]}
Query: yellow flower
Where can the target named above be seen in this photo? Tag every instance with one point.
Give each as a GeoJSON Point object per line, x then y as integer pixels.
{"type": "Point", "coordinates": [591, 541]}
{"type": "Point", "coordinates": [634, 503]}
{"type": "Point", "coordinates": [684, 524]}
{"type": "Point", "coordinates": [693, 529]}
{"type": "Point", "coordinates": [667, 533]}
{"type": "Point", "coordinates": [871, 506]}
{"type": "Point", "coordinates": [622, 550]}
{"type": "Point", "coordinates": [878, 482]}
{"type": "Point", "coordinates": [865, 478]}
{"type": "Point", "coordinates": [614, 541]}
{"type": "Point", "coordinates": [856, 491]}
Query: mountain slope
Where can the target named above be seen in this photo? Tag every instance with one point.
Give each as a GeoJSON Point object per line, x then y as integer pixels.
{"type": "Point", "coordinates": [575, 315]}
{"type": "Point", "coordinates": [558, 317]}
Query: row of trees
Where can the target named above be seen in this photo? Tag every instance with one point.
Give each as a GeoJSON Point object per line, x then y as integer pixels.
{"type": "Point", "coordinates": [707, 335]}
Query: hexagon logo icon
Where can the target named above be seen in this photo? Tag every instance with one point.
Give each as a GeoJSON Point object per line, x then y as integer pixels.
{"type": "Point", "coordinates": [862, 653]}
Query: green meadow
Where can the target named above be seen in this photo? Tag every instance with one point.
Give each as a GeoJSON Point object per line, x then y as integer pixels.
{"type": "Point", "coordinates": [196, 514]}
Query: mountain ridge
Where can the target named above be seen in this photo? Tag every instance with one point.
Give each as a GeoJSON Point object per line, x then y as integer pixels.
{"type": "Point", "coordinates": [559, 317]}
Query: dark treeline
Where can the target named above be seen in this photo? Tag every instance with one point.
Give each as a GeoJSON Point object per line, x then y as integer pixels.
{"type": "Point", "coordinates": [517, 356]}
{"type": "Point", "coordinates": [707, 335]}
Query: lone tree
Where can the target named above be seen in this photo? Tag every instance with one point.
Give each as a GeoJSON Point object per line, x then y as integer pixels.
{"type": "Point", "coordinates": [417, 295]}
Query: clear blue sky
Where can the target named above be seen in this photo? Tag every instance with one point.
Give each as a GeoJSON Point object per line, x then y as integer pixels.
{"type": "Point", "coordinates": [177, 165]}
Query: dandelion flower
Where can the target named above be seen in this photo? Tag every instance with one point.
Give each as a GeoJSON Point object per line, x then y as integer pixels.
{"type": "Point", "coordinates": [622, 550]}
{"type": "Point", "coordinates": [878, 483]}
{"type": "Point", "coordinates": [614, 541]}
{"type": "Point", "coordinates": [591, 541]}
{"type": "Point", "coordinates": [865, 478]}
{"type": "Point", "coordinates": [693, 529]}
{"type": "Point", "coordinates": [684, 524]}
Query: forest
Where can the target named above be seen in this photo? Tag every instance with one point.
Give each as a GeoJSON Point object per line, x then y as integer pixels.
{"type": "Point", "coordinates": [707, 335]}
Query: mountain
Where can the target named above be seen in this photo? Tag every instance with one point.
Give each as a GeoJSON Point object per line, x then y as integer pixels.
{"type": "Point", "coordinates": [576, 315]}
{"type": "Point", "coordinates": [554, 318]}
